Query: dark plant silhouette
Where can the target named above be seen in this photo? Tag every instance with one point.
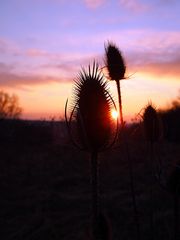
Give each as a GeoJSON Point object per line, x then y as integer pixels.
{"type": "Point", "coordinates": [116, 70]}
{"type": "Point", "coordinates": [91, 126]}
{"type": "Point", "coordinates": [173, 186]}
{"type": "Point", "coordinates": [171, 183]}
{"type": "Point", "coordinates": [9, 106]}
{"type": "Point", "coordinates": [116, 67]}
{"type": "Point", "coordinates": [171, 119]}
{"type": "Point", "coordinates": [151, 124]}
{"type": "Point", "coordinates": [152, 131]}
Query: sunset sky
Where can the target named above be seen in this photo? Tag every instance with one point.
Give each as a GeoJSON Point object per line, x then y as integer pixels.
{"type": "Point", "coordinates": [44, 44]}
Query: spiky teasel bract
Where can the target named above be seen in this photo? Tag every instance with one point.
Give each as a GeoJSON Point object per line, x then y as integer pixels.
{"type": "Point", "coordinates": [91, 110]}
{"type": "Point", "coordinates": [114, 62]}
{"type": "Point", "coordinates": [151, 121]}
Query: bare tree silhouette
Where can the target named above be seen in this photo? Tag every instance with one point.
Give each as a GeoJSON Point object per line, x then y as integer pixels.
{"type": "Point", "coordinates": [9, 106]}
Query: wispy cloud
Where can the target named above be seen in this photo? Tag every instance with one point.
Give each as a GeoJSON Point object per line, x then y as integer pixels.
{"type": "Point", "coordinates": [153, 53]}
{"type": "Point", "coordinates": [94, 3]}
{"type": "Point", "coordinates": [33, 52]}
{"type": "Point", "coordinates": [8, 46]}
{"type": "Point", "coordinates": [6, 67]}
{"type": "Point", "coordinates": [9, 79]}
{"type": "Point", "coordinates": [157, 64]}
{"type": "Point", "coordinates": [134, 5]}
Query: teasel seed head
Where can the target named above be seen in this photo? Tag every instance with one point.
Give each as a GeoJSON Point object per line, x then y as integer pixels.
{"type": "Point", "coordinates": [91, 111]}
{"type": "Point", "coordinates": [114, 62]}
{"type": "Point", "coordinates": [152, 125]}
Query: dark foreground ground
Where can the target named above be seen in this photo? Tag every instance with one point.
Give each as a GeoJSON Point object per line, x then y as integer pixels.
{"type": "Point", "coordinates": [45, 190]}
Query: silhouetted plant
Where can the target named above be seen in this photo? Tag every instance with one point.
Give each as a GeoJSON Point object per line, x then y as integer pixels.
{"type": "Point", "coordinates": [173, 186]}
{"type": "Point", "coordinates": [9, 106]}
{"type": "Point", "coordinates": [152, 131]}
{"type": "Point", "coordinates": [152, 125]}
{"type": "Point", "coordinates": [116, 67]}
{"type": "Point", "coordinates": [91, 126]}
{"type": "Point", "coordinates": [116, 70]}
{"type": "Point", "coordinates": [171, 117]}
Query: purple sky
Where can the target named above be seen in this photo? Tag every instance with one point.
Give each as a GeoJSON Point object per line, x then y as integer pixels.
{"type": "Point", "coordinates": [44, 43]}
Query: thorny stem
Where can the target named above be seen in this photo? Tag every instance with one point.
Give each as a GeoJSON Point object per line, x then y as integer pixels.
{"type": "Point", "coordinates": [120, 103]}
{"type": "Point", "coordinates": [95, 192]}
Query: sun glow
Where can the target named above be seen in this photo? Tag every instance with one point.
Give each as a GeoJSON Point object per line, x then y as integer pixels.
{"type": "Point", "coordinates": [114, 114]}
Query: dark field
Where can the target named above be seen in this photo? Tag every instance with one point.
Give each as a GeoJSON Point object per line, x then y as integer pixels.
{"type": "Point", "coordinates": [45, 186]}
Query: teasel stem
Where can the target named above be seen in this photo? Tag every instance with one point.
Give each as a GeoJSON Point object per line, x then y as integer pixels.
{"type": "Point", "coordinates": [95, 192]}
{"type": "Point", "coordinates": [120, 103]}
{"type": "Point", "coordinates": [116, 68]}
{"type": "Point", "coordinates": [151, 189]}
{"type": "Point", "coordinates": [130, 166]}
{"type": "Point", "coordinates": [176, 216]}
{"type": "Point", "coordinates": [175, 189]}
{"type": "Point", "coordinates": [131, 175]}
{"type": "Point", "coordinates": [152, 133]}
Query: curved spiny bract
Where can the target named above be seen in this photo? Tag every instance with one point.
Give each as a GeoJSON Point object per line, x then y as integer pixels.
{"type": "Point", "coordinates": [114, 62]}
{"type": "Point", "coordinates": [93, 110]}
{"type": "Point", "coordinates": [151, 123]}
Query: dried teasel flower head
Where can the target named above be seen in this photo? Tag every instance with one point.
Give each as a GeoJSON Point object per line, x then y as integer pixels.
{"type": "Point", "coordinates": [90, 123]}
{"type": "Point", "coordinates": [152, 125]}
{"type": "Point", "coordinates": [114, 62]}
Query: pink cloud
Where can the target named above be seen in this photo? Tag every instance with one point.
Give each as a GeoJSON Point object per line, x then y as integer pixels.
{"type": "Point", "coordinates": [155, 64]}
{"type": "Point", "coordinates": [10, 79]}
{"type": "Point", "coordinates": [61, 57]}
{"type": "Point", "coordinates": [36, 53]}
{"type": "Point", "coordinates": [94, 3]}
{"type": "Point", "coordinates": [134, 5]}
{"type": "Point", "coordinates": [157, 53]}
{"type": "Point", "coordinates": [7, 46]}
{"type": "Point", "coordinates": [5, 67]}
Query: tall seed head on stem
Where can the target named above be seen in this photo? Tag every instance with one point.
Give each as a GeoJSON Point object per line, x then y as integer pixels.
{"type": "Point", "coordinates": [116, 70]}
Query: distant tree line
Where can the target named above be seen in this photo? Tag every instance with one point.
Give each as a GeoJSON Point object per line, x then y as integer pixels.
{"type": "Point", "coordinates": [171, 121]}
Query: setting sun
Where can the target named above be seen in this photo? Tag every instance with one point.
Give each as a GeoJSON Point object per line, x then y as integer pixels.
{"type": "Point", "coordinates": [114, 114]}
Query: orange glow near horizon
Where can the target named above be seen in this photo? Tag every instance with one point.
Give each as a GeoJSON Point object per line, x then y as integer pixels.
{"type": "Point", "coordinates": [47, 101]}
